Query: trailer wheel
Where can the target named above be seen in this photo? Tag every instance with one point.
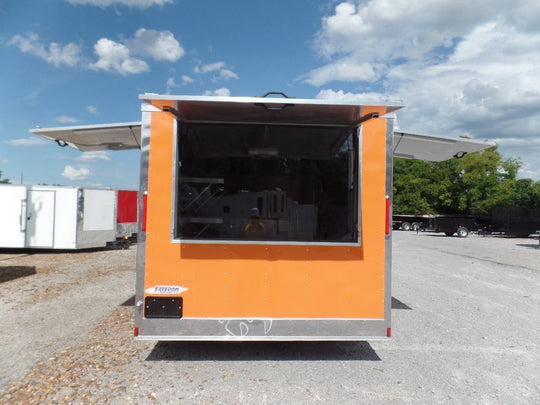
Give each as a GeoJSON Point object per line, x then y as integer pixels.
{"type": "Point", "coordinates": [406, 226]}
{"type": "Point", "coordinates": [462, 232]}
{"type": "Point", "coordinates": [415, 226]}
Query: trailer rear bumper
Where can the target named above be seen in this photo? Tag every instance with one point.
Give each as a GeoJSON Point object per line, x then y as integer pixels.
{"type": "Point", "coordinates": [233, 329]}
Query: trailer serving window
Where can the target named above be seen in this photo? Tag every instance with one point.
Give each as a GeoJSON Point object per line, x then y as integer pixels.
{"type": "Point", "coordinates": [267, 183]}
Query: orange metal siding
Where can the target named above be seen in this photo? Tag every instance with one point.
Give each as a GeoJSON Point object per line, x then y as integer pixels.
{"type": "Point", "coordinates": [269, 281]}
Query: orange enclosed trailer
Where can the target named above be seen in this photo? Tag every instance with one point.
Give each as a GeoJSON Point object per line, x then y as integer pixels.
{"type": "Point", "coordinates": [262, 218]}
{"type": "Point", "coordinates": [265, 220]}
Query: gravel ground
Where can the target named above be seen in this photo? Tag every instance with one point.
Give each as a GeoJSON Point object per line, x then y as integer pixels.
{"type": "Point", "coordinates": [465, 316]}
{"type": "Point", "coordinates": [51, 300]}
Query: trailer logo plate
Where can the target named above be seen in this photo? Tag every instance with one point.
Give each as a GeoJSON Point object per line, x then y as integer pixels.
{"type": "Point", "coordinates": [166, 289]}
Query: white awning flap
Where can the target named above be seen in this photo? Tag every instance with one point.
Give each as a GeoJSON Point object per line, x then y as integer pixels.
{"type": "Point", "coordinates": [433, 149]}
{"type": "Point", "coordinates": [122, 136]}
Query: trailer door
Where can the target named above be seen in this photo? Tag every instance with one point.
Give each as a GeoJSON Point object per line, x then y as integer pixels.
{"type": "Point", "coordinates": [40, 218]}
{"type": "Point", "coordinates": [13, 216]}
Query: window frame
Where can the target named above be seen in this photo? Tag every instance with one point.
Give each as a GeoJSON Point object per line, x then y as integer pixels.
{"type": "Point", "coordinates": [175, 221]}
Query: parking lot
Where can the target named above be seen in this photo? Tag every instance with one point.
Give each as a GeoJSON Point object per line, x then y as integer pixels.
{"type": "Point", "coordinates": [465, 321]}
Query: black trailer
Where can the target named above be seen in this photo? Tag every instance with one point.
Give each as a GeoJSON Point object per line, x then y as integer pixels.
{"type": "Point", "coordinates": [449, 224]}
{"type": "Point", "coordinates": [410, 222]}
{"type": "Point", "coordinates": [454, 224]}
{"type": "Point", "coordinates": [511, 221]}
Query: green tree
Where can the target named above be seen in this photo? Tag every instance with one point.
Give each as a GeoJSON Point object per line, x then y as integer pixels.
{"type": "Point", "coordinates": [480, 175]}
{"type": "Point", "coordinates": [473, 184]}
{"type": "Point", "coordinates": [535, 195]}
{"type": "Point", "coordinates": [410, 187]}
{"type": "Point", "coordinates": [3, 181]}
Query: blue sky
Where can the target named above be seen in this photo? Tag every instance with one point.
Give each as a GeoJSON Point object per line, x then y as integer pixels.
{"type": "Point", "coordinates": [459, 67]}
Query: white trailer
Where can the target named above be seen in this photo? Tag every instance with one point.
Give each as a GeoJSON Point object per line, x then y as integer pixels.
{"type": "Point", "coordinates": [56, 217]}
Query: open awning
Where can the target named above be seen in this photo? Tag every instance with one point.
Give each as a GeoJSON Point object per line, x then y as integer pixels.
{"type": "Point", "coordinates": [122, 136]}
{"type": "Point", "coordinates": [257, 110]}
{"type": "Point", "coordinates": [128, 136]}
{"type": "Point", "coordinates": [433, 149]}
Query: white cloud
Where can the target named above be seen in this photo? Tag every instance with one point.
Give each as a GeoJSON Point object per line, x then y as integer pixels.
{"type": "Point", "coordinates": [72, 173]}
{"type": "Point", "coordinates": [220, 70]}
{"type": "Point", "coordinates": [158, 45]}
{"type": "Point", "coordinates": [116, 57]}
{"type": "Point", "coordinates": [222, 92]}
{"type": "Point", "coordinates": [343, 70]}
{"type": "Point", "coordinates": [64, 119]}
{"type": "Point", "coordinates": [528, 172]}
{"type": "Point", "coordinates": [30, 141]}
{"type": "Point", "coordinates": [225, 74]}
{"type": "Point", "coordinates": [210, 67]}
{"type": "Point", "coordinates": [92, 109]}
{"type": "Point", "coordinates": [363, 98]}
{"type": "Point", "coordinates": [528, 149]}
{"type": "Point", "coordinates": [54, 53]}
{"type": "Point", "coordinates": [383, 33]}
{"type": "Point", "coordinates": [390, 29]}
{"type": "Point", "coordinates": [129, 3]}
{"type": "Point", "coordinates": [186, 79]}
{"type": "Point", "coordinates": [93, 156]}
{"type": "Point", "coordinates": [171, 83]}
{"type": "Point", "coordinates": [475, 75]}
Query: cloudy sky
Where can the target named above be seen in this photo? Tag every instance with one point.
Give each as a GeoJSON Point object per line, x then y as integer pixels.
{"type": "Point", "coordinates": [460, 68]}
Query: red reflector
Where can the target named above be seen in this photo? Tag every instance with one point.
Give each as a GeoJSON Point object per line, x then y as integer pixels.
{"type": "Point", "coordinates": [136, 332]}
{"type": "Point", "coordinates": [387, 225]}
{"type": "Point", "coordinates": [144, 206]}
{"type": "Point", "coordinates": [389, 332]}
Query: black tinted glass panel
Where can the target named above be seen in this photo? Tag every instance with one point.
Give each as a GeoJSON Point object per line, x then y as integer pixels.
{"type": "Point", "coordinates": [267, 182]}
